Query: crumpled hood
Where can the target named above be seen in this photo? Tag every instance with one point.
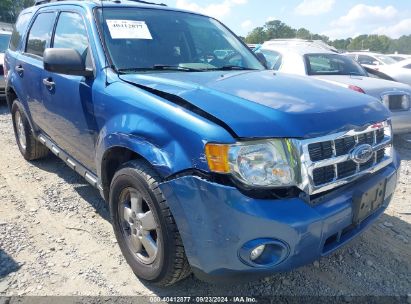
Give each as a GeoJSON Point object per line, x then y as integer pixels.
{"type": "Point", "coordinates": [267, 104]}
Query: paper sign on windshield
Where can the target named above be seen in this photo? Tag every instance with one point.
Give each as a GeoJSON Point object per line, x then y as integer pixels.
{"type": "Point", "coordinates": [128, 29]}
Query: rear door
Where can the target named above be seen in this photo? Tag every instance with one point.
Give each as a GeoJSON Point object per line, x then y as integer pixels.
{"type": "Point", "coordinates": [68, 99]}
{"type": "Point", "coordinates": [13, 52]}
{"type": "Point", "coordinates": [29, 65]}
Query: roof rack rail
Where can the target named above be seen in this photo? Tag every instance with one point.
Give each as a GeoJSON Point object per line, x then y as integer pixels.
{"type": "Point", "coordinates": [146, 2]}
{"type": "Point", "coordinates": [40, 2]}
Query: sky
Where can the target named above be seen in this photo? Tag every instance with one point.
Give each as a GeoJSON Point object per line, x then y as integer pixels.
{"type": "Point", "coordinates": [334, 18]}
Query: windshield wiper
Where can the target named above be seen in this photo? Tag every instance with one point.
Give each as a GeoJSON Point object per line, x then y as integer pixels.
{"type": "Point", "coordinates": [355, 74]}
{"type": "Point", "coordinates": [160, 67]}
{"type": "Point", "coordinates": [232, 68]}
{"type": "Point", "coordinates": [175, 68]}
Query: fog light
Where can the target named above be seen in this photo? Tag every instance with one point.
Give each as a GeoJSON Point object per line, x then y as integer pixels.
{"type": "Point", "coordinates": [257, 252]}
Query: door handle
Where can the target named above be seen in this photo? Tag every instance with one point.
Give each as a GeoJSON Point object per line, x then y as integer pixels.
{"type": "Point", "coordinates": [19, 69]}
{"type": "Point", "coordinates": [49, 83]}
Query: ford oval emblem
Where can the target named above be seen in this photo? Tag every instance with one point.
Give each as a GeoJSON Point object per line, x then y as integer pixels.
{"type": "Point", "coordinates": [362, 154]}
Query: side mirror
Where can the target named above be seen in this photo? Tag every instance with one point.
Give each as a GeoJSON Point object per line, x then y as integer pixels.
{"type": "Point", "coordinates": [65, 61]}
{"type": "Point", "coordinates": [262, 59]}
{"type": "Point", "coordinates": [375, 62]}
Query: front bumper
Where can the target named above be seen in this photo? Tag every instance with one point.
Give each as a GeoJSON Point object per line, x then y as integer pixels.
{"type": "Point", "coordinates": [215, 221]}
{"type": "Point", "coordinates": [401, 122]}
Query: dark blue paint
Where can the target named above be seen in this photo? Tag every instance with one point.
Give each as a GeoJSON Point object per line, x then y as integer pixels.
{"type": "Point", "coordinates": [89, 117]}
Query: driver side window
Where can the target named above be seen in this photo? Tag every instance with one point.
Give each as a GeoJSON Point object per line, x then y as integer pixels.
{"type": "Point", "coordinates": [71, 33]}
{"type": "Point", "coordinates": [218, 49]}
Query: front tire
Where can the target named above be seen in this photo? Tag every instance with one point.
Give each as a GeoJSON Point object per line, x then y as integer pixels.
{"type": "Point", "coordinates": [29, 147]}
{"type": "Point", "coordinates": [144, 226]}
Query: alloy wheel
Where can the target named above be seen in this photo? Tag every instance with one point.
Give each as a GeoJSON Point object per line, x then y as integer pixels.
{"type": "Point", "coordinates": [21, 134]}
{"type": "Point", "coordinates": [139, 226]}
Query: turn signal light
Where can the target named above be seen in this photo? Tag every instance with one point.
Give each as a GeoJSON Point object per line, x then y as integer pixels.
{"type": "Point", "coordinates": [217, 157]}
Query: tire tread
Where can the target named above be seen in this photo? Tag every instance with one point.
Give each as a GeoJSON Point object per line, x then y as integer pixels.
{"type": "Point", "coordinates": [181, 267]}
{"type": "Point", "coordinates": [34, 149]}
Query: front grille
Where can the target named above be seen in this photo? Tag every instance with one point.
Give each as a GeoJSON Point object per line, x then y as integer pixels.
{"type": "Point", "coordinates": [344, 145]}
{"type": "Point", "coordinates": [323, 175]}
{"type": "Point", "coordinates": [346, 169]}
{"type": "Point", "coordinates": [324, 150]}
{"type": "Point", "coordinates": [395, 103]}
{"type": "Point", "coordinates": [331, 161]}
{"type": "Point", "coordinates": [320, 151]}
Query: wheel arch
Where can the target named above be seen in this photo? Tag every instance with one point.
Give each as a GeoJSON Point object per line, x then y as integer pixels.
{"type": "Point", "coordinates": [11, 96]}
{"type": "Point", "coordinates": [112, 160]}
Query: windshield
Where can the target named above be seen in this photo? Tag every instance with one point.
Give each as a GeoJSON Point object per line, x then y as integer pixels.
{"type": "Point", "coordinates": [4, 42]}
{"type": "Point", "coordinates": [386, 59]}
{"type": "Point", "coordinates": [139, 39]}
{"type": "Point", "coordinates": [332, 64]}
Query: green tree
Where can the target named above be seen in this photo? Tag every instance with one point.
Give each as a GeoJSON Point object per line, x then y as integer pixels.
{"type": "Point", "coordinates": [358, 43]}
{"type": "Point", "coordinates": [303, 33]}
{"type": "Point", "coordinates": [401, 45]}
{"type": "Point", "coordinates": [341, 44]}
{"type": "Point", "coordinates": [10, 9]}
{"type": "Point", "coordinates": [257, 35]}
{"type": "Point", "coordinates": [276, 29]}
{"type": "Point", "coordinates": [320, 37]}
{"type": "Point", "coordinates": [376, 43]}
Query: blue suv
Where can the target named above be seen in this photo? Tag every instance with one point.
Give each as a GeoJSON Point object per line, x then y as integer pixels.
{"type": "Point", "coordinates": [209, 162]}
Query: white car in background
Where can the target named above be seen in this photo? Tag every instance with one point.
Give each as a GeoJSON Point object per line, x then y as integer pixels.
{"type": "Point", "coordinates": [4, 44]}
{"type": "Point", "coordinates": [372, 60]}
{"type": "Point", "coordinates": [400, 71]}
{"type": "Point", "coordinates": [399, 57]}
{"type": "Point", "coordinates": [306, 57]}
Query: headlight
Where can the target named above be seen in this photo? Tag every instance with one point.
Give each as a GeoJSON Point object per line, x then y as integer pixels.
{"type": "Point", "coordinates": [405, 102]}
{"type": "Point", "coordinates": [388, 128]}
{"type": "Point", "coordinates": [264, 163]}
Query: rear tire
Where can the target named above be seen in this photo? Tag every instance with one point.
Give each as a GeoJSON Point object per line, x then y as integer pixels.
{"type": "Point", "coordinates": [144, 226]}
{"type": "Point", "coordinates": [28, 145]}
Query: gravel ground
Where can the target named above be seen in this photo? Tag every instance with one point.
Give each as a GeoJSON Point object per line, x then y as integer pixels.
{"type": "Point", "coordinates": [56, 239]}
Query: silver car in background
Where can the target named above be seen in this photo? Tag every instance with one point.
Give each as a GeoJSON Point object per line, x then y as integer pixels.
{"type": "Point", "coordinates": [4, 44]}
{"type": "Point", "coordinates": [399, 57]}
{"type": "Point", "coordinates": [372, 60]}
{"type": "Point", "coordinates": [400, 71]}
{"type": "Point", "coordinates": [309, 58]}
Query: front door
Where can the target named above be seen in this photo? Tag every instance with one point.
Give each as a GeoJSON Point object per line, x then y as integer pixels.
{"type": "Point", "coordinates": [68, 100]}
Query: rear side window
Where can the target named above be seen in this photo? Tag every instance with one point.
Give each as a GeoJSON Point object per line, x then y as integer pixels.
{"type": "Point", "coordinates": [40, 34]}
{"type": "Point", "coordinates": [332, 64]}
{"type": "Point", "coordinates": [408, 66]}
{"type": "Point", "coordinates": [364, 59]}
{"type": "Point", "coordinates": [19, 30]}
